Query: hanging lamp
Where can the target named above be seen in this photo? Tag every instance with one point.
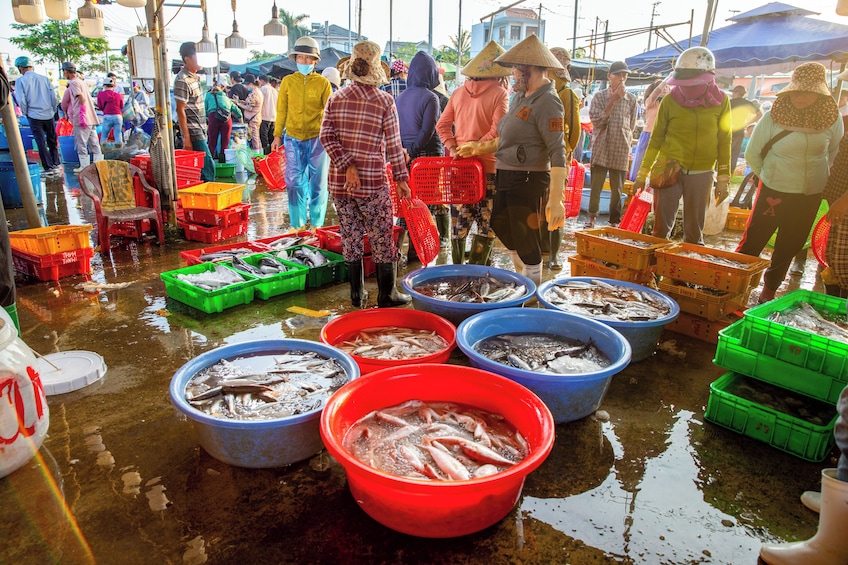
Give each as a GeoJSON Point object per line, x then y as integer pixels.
{"type": "Point", "coordinates": [57, 9]}
{"type": "Point", "coordinates": [276, 34]}
{"type": "Point", "coordinates": [132, 3]}
{"type": "Point", "coordinates": [28, 11]}
{"type": "Point", "coordinates": [207, 53]}
{"type": "Point", "coordinates": [235, 40]}
{"type": "Point", "coordinates": [91, 22]}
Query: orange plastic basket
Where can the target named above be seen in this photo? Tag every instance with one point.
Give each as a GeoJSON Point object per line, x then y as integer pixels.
{"type": "Point", "coordinates": [445, 180]}
{"type": "Point", "coordinates": [637, 211]}
{"type": "Point", "coordinates": [819, 240]}
{"type": "Point", "coordinates": [574, 189]}
{"type": "Point", "coordinates": [273, 169]}
{"type": "Point", "coordinates": [422, 228]}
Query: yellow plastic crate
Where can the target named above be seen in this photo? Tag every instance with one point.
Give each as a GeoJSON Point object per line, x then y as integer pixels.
{"type": "Point", "coordinates": [737, 218]}
{"type": "Point", "coordinates": [51, 240]}
{"type": "Point", "coordinates": [211, 195]}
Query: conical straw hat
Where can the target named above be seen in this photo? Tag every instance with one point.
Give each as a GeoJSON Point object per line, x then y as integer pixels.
{"type": "Point", "coordinates": [483, 64]}
{"type": "Point", "coordinates": [530, 51]}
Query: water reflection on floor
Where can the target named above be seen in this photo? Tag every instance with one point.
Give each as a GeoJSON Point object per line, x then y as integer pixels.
{"type": "Point", "coordinates": [121, 478]}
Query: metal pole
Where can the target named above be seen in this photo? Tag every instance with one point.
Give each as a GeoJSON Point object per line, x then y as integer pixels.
{"type": "Point", "coordinates": [458, 43]}
{"type": "Point", "coordinates": [430, 31]}
{"type": "Point", "coordinates": [606, 38]}
{"type": "Point", "coordinates": [162, 90]}
{"type": "Point", "coordinates": [708, 22]}
{"type": "Point", "coordinates": [574, 39]}
{"type": "Point", "coordinates": [691, 24]}
{"type": "Point", "coordinates": [349, 27]}
{"type": "Point", "coordinates": [359, 22]}
{"type": "Point", "coordinates": [391, 34]}
{"type": "Point", "coordinates": [217, 59]}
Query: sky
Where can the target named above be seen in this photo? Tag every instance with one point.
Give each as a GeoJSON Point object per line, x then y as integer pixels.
{"type": "Point", "coordinates": [410, 19]}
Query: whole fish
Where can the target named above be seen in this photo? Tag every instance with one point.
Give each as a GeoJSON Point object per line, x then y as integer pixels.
{"type": "Point", "coordinates": [805, 317]}
{"type": "Point", "coordinates": [391, 342]}
{"type": "Point", "coordinates": [306, 256]}
{"type": "Point", "coordinates": [709, 258]}
{"type": "Point", "coordinates": [226, 254]}
{"type": "Point", "coordinates": [471, 289]}
{"type": "Point", "coordinates": [212, 280]}
{"type": "Point", "coordinates": [544, 353]}
{"type": "Point", "coordinates": [605, 301]}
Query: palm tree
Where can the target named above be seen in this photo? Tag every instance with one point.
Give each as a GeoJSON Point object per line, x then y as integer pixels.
{"type": "Point", "coordinates": [462, 46]}
{"type": "Point", "coordinates": [292, 23]}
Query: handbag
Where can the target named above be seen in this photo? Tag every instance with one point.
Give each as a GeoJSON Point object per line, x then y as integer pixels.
{"type": "Point", "coordinates": [221, 114]}
{"type": "Point", "coordinates": [665, 172]}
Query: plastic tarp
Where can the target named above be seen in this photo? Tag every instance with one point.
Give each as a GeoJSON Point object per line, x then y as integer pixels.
{"type": "Point", "coordinates": [773, 38]}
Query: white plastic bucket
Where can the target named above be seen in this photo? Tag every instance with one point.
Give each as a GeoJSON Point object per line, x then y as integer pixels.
{"type": "Point", "coordinates": [231, 156]}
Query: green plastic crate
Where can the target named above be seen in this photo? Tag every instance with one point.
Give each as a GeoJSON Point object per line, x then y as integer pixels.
{"type": "Point", "coordinates": [789, 434]}
{"type": "Point", "coordinates": [733, 356]}
{"type": "Point", "coordinates": [335, 270]}
{"type": "Point", "coordinates": [281, 283]}
{"type": "Point", "coordinates": [225, 170]}
{"type": "Point", "coordinates": [210, 302]}
{"type": "Point", "coordinates": [792, 345]}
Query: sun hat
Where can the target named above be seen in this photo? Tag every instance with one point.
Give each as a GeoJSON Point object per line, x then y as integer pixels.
{"type": "Point", "coordinates": [306, 46]}
{"type": "Point", "coordinates": [364, 65]}
{"type": "Point", "coordinates": [808, 77]}
{"type": "Point", "coordinates": [344, 63]}
{"type": "Point", "coordinates": [529, 51]}
{"type": "Point", "coordinates": [440, 88]}
{"type": "Point", "coordinates": [483, 64]}
{"type": "Point", "coordinates": [564, 59]}
{"type": "Point", "coordinates": [843, 76]}
{"type": "Point", "coordinates": [23, 62]}
{"type": "Point", "coordinates": [399, 66]}
{"type": "Point", "coordinates": [332, 75]}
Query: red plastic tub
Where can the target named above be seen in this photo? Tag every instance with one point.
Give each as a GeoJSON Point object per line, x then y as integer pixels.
{"type": "Point", "coordinates": [434, 509]}
{"type": "Point", "coordinates": [345, 326]}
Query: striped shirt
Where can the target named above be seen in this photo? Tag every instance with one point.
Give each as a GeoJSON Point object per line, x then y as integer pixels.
{"type": "Point", "coordinates": [360, 124]}
{"type": "Point", "coordinates": [187, 89]}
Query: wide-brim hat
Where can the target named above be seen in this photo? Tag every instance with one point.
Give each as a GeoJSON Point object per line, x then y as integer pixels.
{"type": "Point", "coordinates": [808, 77]}
{"type": "Point", "coordinates": [529, 51]}
{"type": "Point", "coordinates": [378, 70]}
{"type": "Point", "coordinates": [483, 64]}
{"type": "Point", "coordinates": [564, 59]}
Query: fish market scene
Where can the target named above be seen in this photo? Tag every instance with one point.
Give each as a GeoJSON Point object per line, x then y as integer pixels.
{"type": "Point", "coordinates": [424, 282]}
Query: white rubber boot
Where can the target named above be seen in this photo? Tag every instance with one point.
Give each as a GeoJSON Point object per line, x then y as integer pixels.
{"type": "Point", "coordinates": [812, 500]}
{"type": "Point", "coordinates": [85, 160]}
{"type": "Point", "coordinates": [517, 263]}
{"type": "Point", "coordinates": [830, 544]}
{"type": "Point", "coordinates": [534, 273]}
{"type": "Point", "coordinates": [98, 157]}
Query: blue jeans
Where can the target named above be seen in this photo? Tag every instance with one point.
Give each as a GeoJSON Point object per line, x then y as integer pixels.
{"type": "Point", "coordinates": [307, 166]}
{"type": "Point", "coordinates": [112, 122]}
{"type": "Point", "coordinates": [208, 172]}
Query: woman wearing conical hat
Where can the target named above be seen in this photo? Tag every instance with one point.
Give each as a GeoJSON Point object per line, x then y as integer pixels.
{"type": "Point", "coordinates": [472, 114]}
{"type": "Point", "coordinates": [530, 154]}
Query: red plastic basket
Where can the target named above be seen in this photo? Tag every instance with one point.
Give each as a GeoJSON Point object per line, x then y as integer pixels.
{"type": "Point", "coordinates": [574, 189]}
{"type": "Point", "coordinates": [53, 267]}
{"type": "Point", "coordinates": [214, 234]}
{"type": "Point", "coordinates": [445, 180]}
{"type": "Point", "coordinates": [637, 211]}
{"type": "Point", "coordinates": [422, 229]}
{"type": "Point", "coordinates": [273, 169]}
{"type": "Point", "coordinates": [819, 240]}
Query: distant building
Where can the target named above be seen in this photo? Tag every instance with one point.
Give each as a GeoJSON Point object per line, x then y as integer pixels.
{"type": "Point", "coordinates": [331, 35]}
{"type": "Point", "coordinates": [508, 28]}
{"type": "Point", "coordinates": [395, 46]}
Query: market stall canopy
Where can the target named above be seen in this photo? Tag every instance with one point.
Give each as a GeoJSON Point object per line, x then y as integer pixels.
{"type": "Point", "coordinates": [282, 65]}
{"type": "Point", "coordinates": [596, 69]}
{"type": "Point", "coordinates": [773, 38]}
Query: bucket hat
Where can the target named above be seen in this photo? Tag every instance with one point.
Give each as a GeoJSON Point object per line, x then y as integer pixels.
{"type": "Point", "coordinates": [399, 66]}
{"type": "Point", "coordinates": [483, 64]}
{"type": "Point", "coordinates": [306, 46]}
{"type": "Point", "coordinates": [529, 51]}
{"type": "Point", "coordinates": [843, 76]}
{"type": "Point", "coordinates": [368, 52]}
{"type": "Point", "coordinates": [808, 77]}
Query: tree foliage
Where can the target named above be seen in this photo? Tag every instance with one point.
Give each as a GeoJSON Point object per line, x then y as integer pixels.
{"type": "Point", "coordinates": [55, 41]}
{"type": "Point", "coordinates": [256, 55]}
{"type": "Point", "coordinates": [447, 53]}
{"type": "Point", "coordinates": [292, 23]}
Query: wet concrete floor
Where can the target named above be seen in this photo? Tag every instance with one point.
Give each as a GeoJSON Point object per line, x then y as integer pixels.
{"type": "Point", "coordinates": [122, 479]}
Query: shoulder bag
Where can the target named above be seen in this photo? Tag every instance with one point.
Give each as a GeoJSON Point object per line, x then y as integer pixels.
{"type": "Point", "coordinates": [221, 114]}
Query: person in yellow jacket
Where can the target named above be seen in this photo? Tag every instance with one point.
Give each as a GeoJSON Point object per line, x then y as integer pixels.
{"type": "Point", "coordinates": [571, 136]}
{"type": "Point", "coordinates": [300, 108]}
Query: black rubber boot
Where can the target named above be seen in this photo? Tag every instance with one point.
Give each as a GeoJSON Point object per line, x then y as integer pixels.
{"type": "Point", "coordinates": [358, 294]}
{"type": "Point", "coordinates": [481, 250]}
{"type": "Point", "coordinates": [458, 251]}
{"type": "Point", "coordinates": [387, 293]}
{"type": "Point", "coordinates": [544, 240]}
{"type": "Point", "coordinates": [443, 224]}
{"type": "Point", "coordinates": [556, 240]}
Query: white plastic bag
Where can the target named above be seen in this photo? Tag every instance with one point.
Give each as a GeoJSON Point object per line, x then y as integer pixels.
{"type": "Point", "coordinates": [716, 216]}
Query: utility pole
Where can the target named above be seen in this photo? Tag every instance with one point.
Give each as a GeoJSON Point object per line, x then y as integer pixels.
{"type": "Point", "coordinates": [574, 39]}
{"type": "Point", "coordinates": [651, 31]}
{"type": "Point", "coordinates": [458, 43]}
{"type": "Point", "coordinates": [606, 39]}
{"type": "Point", "coordinates": [708, 21]}
{"type": "Point", "coordinates": [539, 17]}
{"type": "Point", "coordinates": [430, 31]}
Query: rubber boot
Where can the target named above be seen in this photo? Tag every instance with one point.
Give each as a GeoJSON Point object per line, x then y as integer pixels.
{"type": "Point", "coordinates": [458, 250]}
{"type": "Point", "coordinates": [358, 294]}
{"type": "Point", "coordinates": [830, 544]}
{"type": "Point", "coordinates": [517, 263]}
{"type": "Point", "coordinates": [812, 500]}
{"type": "Point", "coordinates": [12, 311]}
{"type": "Point", "coordinates": [534, 273]}
{"type": "Point", "coordinates": [85, 160]}
{"type": "Point", "coordinates": [443, 224]}
{"type": "Point", "coordinates": [544, 240]}
{"type": "Point", "coordinates": [98, 157]}
{"type": "Point", "coordinates": [387, 293]}
{"type": "Point", "coordinates": [555, 238]}
{"type": "Point", "coordinates": [481, 249]}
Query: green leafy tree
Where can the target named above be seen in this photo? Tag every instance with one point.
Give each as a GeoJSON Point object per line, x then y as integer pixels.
{"type": "Point", "coordinates": [405, 52]}
{"type": "Point", "coordinates": [56, 41]}
{"type": "Point", "coordinates": [292, 23]}
{"type": "Point", "coordinates": [256, 55]}
{"type": "Point", "coordinates": [96, 64]}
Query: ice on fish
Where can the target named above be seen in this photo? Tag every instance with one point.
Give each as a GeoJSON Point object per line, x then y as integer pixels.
{"type": "Point", "coordinates": [626, 240]}
{"type": "Point", "coordinates": [715, 259]}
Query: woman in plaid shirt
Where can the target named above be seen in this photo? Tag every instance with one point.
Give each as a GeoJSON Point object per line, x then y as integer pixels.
{"type": "Point", "coordinates": [359, 129]}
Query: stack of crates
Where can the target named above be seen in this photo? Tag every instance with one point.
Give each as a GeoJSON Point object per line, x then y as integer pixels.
{"type": "Point", "coordinates": [188, 166]}
{"type": "Point", "coordinates": [784, 381]}
{"type": "Point", "coordinates": [617, 254]}
{"type": "Point", "coordinates": [708, 284]}
{"type": "Point", "coordinates": [213, 211]}
{"type": "Point", "coordinates": [52, 253]}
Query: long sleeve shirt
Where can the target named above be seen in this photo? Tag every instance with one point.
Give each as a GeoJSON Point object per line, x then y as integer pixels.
{"type": "Point", "coordinates": [269, 103]}
{"type": "Point", "coordinates": [35, 96]}
{"type": "Point", "coordinates": [215, 99]}
{"type": "Point", "coordinates": [531, 133]}
{"type": "Point", "coordinates": [300, 105]}
{"type": "Point", "coordinates": [612, 135]}
{"type": "Point", "coordinates": [360, 127]}
{"type": "Point", "coordinates": [77, 99]}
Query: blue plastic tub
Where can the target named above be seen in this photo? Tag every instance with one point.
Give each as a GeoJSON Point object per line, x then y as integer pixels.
{"type": "Point", "coordinates": [9, 185]}
{"type": "Point", "coordinates": [455, 312]}
{"type": "Point", "coordinates": [68, 149]}
{"type": "Point", "coordinates": [27, 138]}
{"type": "Point", "coordinates": [643, 336]}
{"type": "Point", "coordinates": [256, 444]}
{"type": "Point", "coordinates": [569, 397]}
{"type": "Point", "coordinates": [603, 205]}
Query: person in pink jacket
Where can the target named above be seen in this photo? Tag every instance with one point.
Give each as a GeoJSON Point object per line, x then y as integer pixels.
{"type": "Point", "coordinates": [472, 114]}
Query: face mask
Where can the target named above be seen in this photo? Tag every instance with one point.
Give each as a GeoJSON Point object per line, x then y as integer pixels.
{"type": "Point", "coordinates": [305, 69]}
{"type": "Point", "coordinates": [519, 84]}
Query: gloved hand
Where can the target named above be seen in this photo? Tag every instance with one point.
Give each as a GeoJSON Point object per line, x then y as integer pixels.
{"type": "Point", "coordinates": [477, 148]}
{"type": "Point", "coordinates": [639, 183]}
{"type": "Point", "coordinates": [722, 189]}
{"type": "Point", "coordinates": [555, 209]}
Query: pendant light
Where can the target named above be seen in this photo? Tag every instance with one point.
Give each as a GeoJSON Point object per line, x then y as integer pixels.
{"type": "Point", "coordinates": [91, 22]}
{"type": "Point", "coordinates": [132, 3]}
{"type": "Point", "coordinates": [235, 40]}
{"type": "Point", "coordinates": [276, 34]}
{"type": "Point", "coordinates": [28, 11]}
{"type": "Point", "coordinates": [207, 53]}
{"type": "Point", "coordinates": [57, 9]}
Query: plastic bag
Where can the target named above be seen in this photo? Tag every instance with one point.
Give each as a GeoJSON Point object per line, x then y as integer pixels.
{"type": "Point", "coordinates": [716, 216]}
